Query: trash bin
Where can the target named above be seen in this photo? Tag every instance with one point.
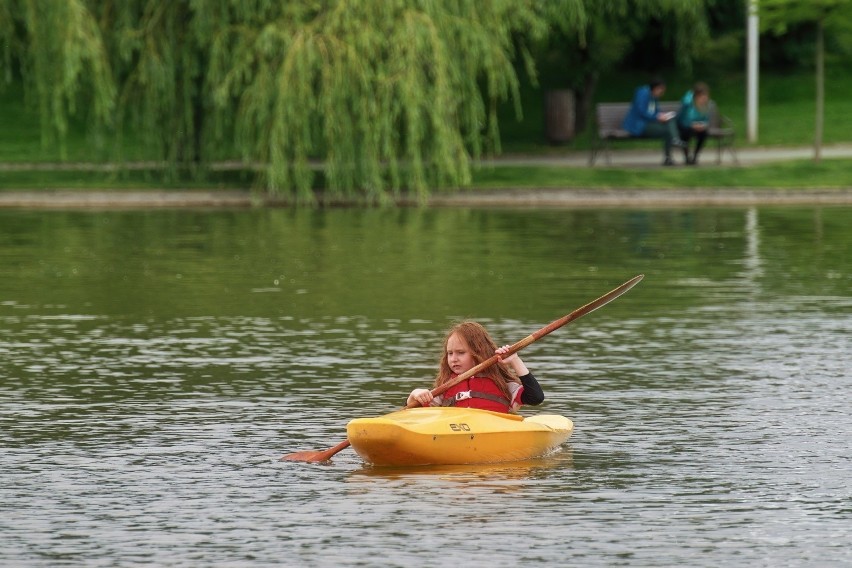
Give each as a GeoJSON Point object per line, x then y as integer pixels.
{"type": "Point", "coordinates": [559, 115]}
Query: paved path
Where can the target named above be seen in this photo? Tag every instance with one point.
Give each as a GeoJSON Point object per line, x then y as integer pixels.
{"type": "Point", "coordinates": [527, 197]}
{"type": "Point", "coordinates": [645, 157]}
{"type": "Point", "coordinates": [573, 158]}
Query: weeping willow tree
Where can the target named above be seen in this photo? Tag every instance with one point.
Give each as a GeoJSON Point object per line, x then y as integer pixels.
{"type": "Point", "coordinates": [111, 64]}
{"type": "Point", "coordinates": [388, 94]}
{"type": "Point", "coordinates": [379, 96]}
{"type": "Point", "coordinates": [159, 59]}
{"type": "Point", "coordinates": [59, 50]}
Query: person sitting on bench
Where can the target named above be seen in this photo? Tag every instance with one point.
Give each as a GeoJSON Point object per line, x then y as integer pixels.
{"type": "Point", "coordinates": [693, 119]}
{"type": "Point", "coordinates": [646, 121]}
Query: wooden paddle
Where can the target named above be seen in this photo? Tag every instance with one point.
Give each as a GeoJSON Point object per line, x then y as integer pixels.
{"type": "Point", "coordinates": [324, 455]}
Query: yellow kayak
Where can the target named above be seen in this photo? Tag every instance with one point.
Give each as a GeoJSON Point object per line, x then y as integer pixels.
{"type": "Point", "coordinates": [435, 435]}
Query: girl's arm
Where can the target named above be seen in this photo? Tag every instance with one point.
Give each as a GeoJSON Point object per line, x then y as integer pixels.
{"type": "Point", "coordinates": [532, 393]}
{"type": "Point", "coordinates": [422, 396]}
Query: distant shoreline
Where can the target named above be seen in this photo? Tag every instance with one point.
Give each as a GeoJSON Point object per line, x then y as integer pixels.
{"type": "Point", "coordinates": [528, 181]}
{"type": "Point", "coordinates": [566, 198]}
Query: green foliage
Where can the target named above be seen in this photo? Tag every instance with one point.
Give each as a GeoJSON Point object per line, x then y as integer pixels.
{"type": "Point", "coordinates": [367, 87]}
{"type": "Point", "coordinates": [608, 31]}
{"type": "Point", "coordinates": [790, 20]}
{"type": "Point", "coordinates": [778, 15]}
{"type": "Point", "coordinates": [386, 94]}
{"type": "Point", "coordinates": [159, 63]}
{"type": "Point", "coordinates": [63, 62]}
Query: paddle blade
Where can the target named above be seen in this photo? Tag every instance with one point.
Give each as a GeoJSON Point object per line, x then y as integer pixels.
{"type": "Point", "coordinates": [305, 456]}
{"type": "Point", "coordinates": [313, 457]}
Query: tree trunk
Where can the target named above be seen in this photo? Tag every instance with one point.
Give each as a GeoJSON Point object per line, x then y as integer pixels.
{"type": "Point", "coordinates": [583, 107]}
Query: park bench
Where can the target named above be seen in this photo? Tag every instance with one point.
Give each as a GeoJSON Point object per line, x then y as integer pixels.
{"type": "Point", "coordinates": [609, 116]}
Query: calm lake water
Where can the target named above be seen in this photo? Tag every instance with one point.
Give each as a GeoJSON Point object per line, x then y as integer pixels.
{"type": "Point", "coordinates": [155, 365]}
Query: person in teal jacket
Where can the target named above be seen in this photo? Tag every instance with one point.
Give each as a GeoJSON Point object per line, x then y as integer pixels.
{"type": "Point", "coordinates": [693, 120]}
{"type": "Point", "coordinates": [646, 121]}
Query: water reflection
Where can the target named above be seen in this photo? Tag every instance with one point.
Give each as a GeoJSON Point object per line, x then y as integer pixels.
{"type": "Point", "coordinates": [479, 475]}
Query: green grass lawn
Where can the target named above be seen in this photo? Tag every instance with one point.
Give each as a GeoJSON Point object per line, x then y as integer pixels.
{"type": "Point", "coordinates": [799, 174]}
{"type": "Point", "coordinates": [828, 174]}
{"type": "Point", "coordinates": [83, 180]}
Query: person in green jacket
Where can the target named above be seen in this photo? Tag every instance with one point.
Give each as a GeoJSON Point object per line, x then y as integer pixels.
{"type": "Point", "coordinates": [693, 120]}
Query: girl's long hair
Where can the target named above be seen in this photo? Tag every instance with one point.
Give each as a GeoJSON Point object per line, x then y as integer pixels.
{"type": "Point", "coordinates": [482, 347]}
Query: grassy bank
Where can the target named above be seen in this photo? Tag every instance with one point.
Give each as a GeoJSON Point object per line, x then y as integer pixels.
{"type": "Point", "coordinates": [798, 174]}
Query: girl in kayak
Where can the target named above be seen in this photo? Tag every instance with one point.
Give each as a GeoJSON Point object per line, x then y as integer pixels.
{"type": "Point", "coordinates": [496, 388]}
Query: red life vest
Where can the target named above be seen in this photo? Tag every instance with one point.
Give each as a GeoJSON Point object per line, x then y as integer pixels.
{"type": "Point", "coordinates": [477, 392]}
